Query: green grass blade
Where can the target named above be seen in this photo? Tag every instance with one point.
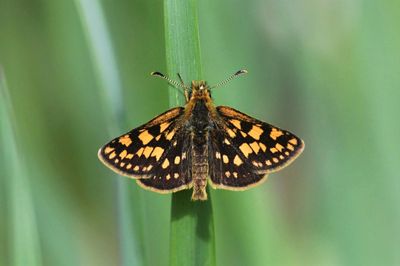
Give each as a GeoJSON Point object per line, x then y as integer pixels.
{"type": "Point", "coordinates": [182, 42]}
{"type": "Point", "coordinates": [192, 231]}
{"type": "Point", "coordinates": [192, 239]}
{"type": "Point", "coordinates": [110, 87]}
{"type": "Point", "coordinates": [21, 218]}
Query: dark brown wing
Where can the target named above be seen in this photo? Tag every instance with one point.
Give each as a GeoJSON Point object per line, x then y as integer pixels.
{"type": "Point", "coordinates": [228, 168]}
{"type": "Point", "coordinates": [174, 171]}
{"type": "Point", "coordinates": [251, 148]}
{"type": "Point", "coordinates": [149, 153]}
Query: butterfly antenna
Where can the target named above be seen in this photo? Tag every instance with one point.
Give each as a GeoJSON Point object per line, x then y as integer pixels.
{"type": "Point", "coordinates": [238, 73]}
{"type": "Point", "coordinates": [170, 81]}
{"type": "Point", "coordinates": [180, 79]}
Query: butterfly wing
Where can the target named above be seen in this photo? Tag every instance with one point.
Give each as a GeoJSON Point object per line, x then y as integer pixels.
{"type": "Point", "coordinates": [252, 149]}
{"type": "Point", "coordinates": [174, 171]}
{"type": "Point", "coordinates": [144, 153]}
{"type": "Point", "coordinates": [228, 167]}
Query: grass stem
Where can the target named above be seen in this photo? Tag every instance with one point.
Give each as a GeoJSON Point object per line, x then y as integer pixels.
{"type": "Point", "coordinates": [192, 239]}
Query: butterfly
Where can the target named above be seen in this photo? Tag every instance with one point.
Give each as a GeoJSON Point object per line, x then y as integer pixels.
{"type": "Point", "coordinates": [198, 144]}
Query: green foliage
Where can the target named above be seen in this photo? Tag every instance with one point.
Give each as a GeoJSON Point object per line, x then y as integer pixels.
{"type": "Point", "coordinates": [108, 80]}
{"type": "Point", "coordinates": [192, 226]}
{"type": "Point", "coordinates": [18, 207]}
{"type": "Point", "coordinates": [325, 70]}
{"type": "Point", "coordinates": [192, 231]}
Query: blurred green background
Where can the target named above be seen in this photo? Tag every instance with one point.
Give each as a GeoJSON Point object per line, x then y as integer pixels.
{"type": "Point", "coordinates": [328, 71]}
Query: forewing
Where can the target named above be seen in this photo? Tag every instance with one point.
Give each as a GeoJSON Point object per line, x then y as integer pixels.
{"type": "Point", "coordinates": [139, 152]}
{"type": "Point", "coordinates": [265, 147]}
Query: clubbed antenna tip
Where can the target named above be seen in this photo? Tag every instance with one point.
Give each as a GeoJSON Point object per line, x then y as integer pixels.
{"type": "Point", "coordinates": [172, 82]}
{"type": "Point", "coordinates": [240, 72]}
{"type": "Point", "coordinates": [158, 74]}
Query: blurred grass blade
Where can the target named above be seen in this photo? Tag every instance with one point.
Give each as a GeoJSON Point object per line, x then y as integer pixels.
{"type": "Point", "coordinates": [192, 228]}
{"type": "Point", "coordinates": [104, 61]}
{"type": "Point", "coordinates": [106, 70]}
{"type": "Point", "coordinates": [23, 231]}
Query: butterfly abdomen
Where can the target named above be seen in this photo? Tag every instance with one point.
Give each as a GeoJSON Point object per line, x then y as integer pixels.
{"type": "Point", "coordinates": [199, 172]}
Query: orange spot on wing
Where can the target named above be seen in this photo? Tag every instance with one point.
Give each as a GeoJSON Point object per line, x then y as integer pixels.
{"type": "Point", "coordinates": [170, 135]}
{"type": "Point", "coordinates": [273, 150]}
{"type": "Point", "coordinates": [255, 132]}
{"type": "Point", "coordinates": [245, 149]}
{"type": "Point", "coordinates": [125, 140]}
{"type": "Point", "coordinates": [293, 141]}
{"type": "Point", "coordinates": [230, 133]}
{"type": "Point", "coordinates": [237, 161]}
{"type": "Point", "coordinates": [255, 147]}
{"type": "Point", "coordinates": [140, 152]}
{"type": "Point", "coordinates": [123, 154]}
{"type": "Point", "coordinates": [262, 146]}
{"type": "Point", "coordinates": [275, 133]}
{"type": "Point", "coordinates": [112, 155]}
{"type": "Point", "coordinates": [279, 147]}
{"type": "Point", "coordinates": [236, 123]}
{"type": "Point", "coordinates": [164, 126]}
{"type": "Point", "coordinates": [145, 137]}
{"type": "Point", "coordinates": [165, 164]}
{"type": "Point", "coordinates": [107, 150]}
{"type": "Point", "coordinates": [147, 151]}
{"type": "Point", "coordinates": [157, 152]}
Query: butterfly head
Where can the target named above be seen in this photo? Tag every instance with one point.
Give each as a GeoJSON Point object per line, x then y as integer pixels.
{"type": "Point", "coordinates": [199, 89]}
